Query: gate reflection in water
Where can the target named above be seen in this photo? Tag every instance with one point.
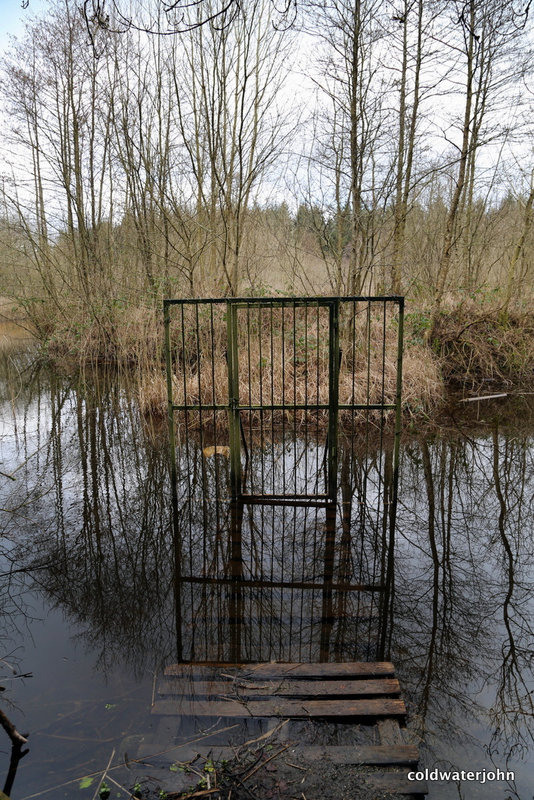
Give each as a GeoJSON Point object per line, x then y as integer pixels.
{"type": "Point", "coordinates": [258, 582]}
{"type": "Point", "coordinates": [96, 549]}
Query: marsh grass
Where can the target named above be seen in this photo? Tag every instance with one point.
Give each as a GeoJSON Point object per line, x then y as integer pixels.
{"type": "Point", "coordinates": [473, 344]}
{"type": "Point", "coordinates": [283, 361]}
{"type": "Point", "coordinates": [481, 347]}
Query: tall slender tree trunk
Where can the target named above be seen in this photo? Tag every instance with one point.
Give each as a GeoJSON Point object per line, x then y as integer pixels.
{"type": "Point", "coordinates": [355, 280]}
{"type": "Point", "coordinates": [449, 240]}
{"type": "Point", "coordinates": [406, 145]}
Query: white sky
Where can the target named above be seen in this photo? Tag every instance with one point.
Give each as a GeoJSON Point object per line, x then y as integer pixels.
{"type": "Point", "coordinates": [12, 17]}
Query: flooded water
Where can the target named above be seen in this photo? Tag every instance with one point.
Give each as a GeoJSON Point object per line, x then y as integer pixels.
{"type": "Point", "coordinates": [101, 587]}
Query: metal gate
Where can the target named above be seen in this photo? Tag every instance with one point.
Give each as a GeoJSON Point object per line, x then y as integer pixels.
{"type": "Point", "coordinates": [284, 425]}
{"type": "Point", "coordinates": [267, 383]}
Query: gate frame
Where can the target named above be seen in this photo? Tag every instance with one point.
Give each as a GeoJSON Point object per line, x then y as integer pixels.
{"type": "Point", "coordinates": [333, 406]}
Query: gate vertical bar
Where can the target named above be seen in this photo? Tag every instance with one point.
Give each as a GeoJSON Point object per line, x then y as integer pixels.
{"type": "Point", "coordinates": [389, 588]}
{"type": "Point", "coordinates": [233, 400]}
{"type": "Point", "coordinates": [333, 399]}
{"type": "Point", "coordinates": [398, 397]}
{"type": "Point", "coordinates": [170, 410]}
{"type": "Point", "coordinates": [177, 543]}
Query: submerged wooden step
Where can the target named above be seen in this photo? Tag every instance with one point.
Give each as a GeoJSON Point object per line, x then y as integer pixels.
{"type": "Point", "coordinates": [359, 754]}
{"type": "Point", "coordinates": [354, 669]}
{"type": "Point", "coordinates": [283, 687]}
{"type": "Point", "coordinates": [388, 778]}
{"type": "Point", "coordinates": [370, 755]}
{"type": "Point", "coordinates": [282, 707]}
{"type": "Point", "coordinates": [364, 692]}
{"type": "Point", "coordinates": [389, 732]}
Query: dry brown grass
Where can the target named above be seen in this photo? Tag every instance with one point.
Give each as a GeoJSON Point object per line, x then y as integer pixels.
{"type": "Point", "coordinates": [152, 394]}
{"type": "Point", "coordinates": [473, 344]}
{"type": "Point", "coordinates": [423, 389]}
{"type": "Point", "coordinates": [481, 347]}
{"type": "Point", "coordinates": [293, 373]}
{"type": "Point", "coordinates": [112, 335]}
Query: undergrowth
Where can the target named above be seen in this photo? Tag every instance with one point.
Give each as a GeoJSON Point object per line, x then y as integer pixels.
{"type": "Point", "coordinates": [478, 348]}
{"type": "Point", "coordinates": [470, 346]}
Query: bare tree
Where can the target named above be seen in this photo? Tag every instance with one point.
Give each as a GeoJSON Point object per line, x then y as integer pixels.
{"type": "Point", "coordinates": [173, 16]}
{"type": "Point", "coordinates": [408, 119]}
{"type": "Point", "coordinates": [226, 93]}
{"type": "Point", "coordinates": [354, 88]}
{"type": "Point", "coordinates": [53, 89]}
{"type": "Point", "coordinates": [484, 34]}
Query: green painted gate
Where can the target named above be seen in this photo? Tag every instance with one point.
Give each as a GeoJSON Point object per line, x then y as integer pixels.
{"type": "Point", "coordinates": [269, 383]}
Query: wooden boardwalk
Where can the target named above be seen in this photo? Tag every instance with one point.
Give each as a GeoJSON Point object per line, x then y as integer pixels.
{"type": "Point", "coordinates": [365, 693]}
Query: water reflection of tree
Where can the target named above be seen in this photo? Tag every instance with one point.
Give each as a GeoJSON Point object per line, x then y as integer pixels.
{"type": "Point", "coordinates": [14, 508]}
{"type": "Point", "coordinates": [92, 524]}
{"type": "Point", "coordinates": [464, 584]}
{"type": "Point", "coordinates": [13, 581]}
{"type": "Point", "coordinates": [97, 491]}
{"type": "Point", "coordinates": [513, 710]}
{"type": "Point", "coordinates": [100, 532]}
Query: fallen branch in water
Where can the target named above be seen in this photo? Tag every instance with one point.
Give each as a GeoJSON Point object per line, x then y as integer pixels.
{"type": "Point", "coordinates": [483, 397]}
{"type": "Point", "coordinates": [17, 743]}
{"type": "Point", "coordinates": [16, 737]}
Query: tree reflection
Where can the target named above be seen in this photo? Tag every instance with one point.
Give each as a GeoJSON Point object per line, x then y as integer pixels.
{"type": "Point", "coordinates": [513, 710]}
{"type": "Point", "coordinates": [98, 531]}
{"type": "Point", "coordinates": [443, 584]}
{"type": "Point", "coordinates": [464, 587]}
{"type": "Point", "coordinates": [219, 581]}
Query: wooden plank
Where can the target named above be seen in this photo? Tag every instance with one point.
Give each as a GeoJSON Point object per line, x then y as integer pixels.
{"type": "Point", "coordinates": [339, 754]}
{"type": "Point", "coordinates": [359, 754]}
{"type": "Point", "coordinates": [281, 707]}
{"type": "Point", "coordinates": [389, 732]}
{"type": "Point", "coordinates": [283, 688]}
{"type": "Point", "coordinates": [357, 669]}
{"type": "Point", "coordinates": [396, 783]}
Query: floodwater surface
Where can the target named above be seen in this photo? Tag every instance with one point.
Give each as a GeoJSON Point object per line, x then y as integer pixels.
{"type": "Point", "coordinates": [101, 587]}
